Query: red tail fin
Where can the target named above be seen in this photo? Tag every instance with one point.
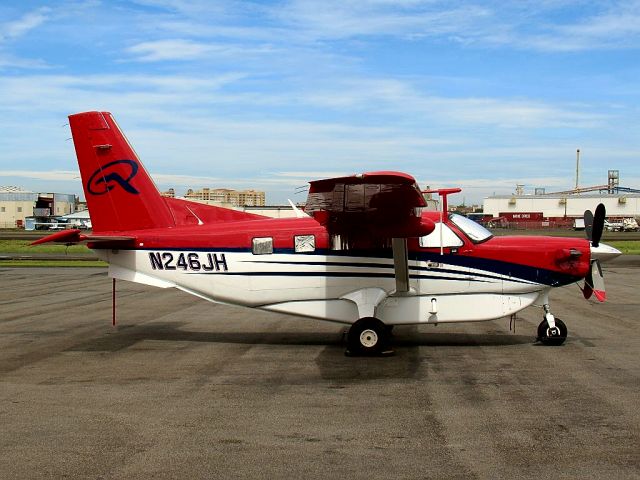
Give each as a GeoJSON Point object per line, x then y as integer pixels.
{"type": "Point", "coordinates": [120, 193]}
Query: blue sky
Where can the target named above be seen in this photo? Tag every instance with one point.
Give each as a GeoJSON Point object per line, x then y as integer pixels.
{"type": "Point", "coordinates": [269, 95]}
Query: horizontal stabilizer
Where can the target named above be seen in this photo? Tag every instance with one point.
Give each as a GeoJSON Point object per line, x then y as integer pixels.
{"type": "Point", "coordinates": [64, 236]}
{"type": "Point", "coordinates": [75, 236]}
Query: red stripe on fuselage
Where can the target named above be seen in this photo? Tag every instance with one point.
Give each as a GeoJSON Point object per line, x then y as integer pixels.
{"type": "Point", "coordinates": [548, 253]}
{"type": "Point", "coordinates": [230, 235]}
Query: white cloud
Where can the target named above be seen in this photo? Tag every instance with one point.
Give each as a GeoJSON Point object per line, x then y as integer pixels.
{"type": "Point", "coordinates": [311, 175]}
{"type": "Point", "coordinates": [617, 28]}
{"type": "Point", "coordinates": [124, 93]}
{"type": "Point", "coordinates": [507, 113]}
{"type": "Point", "coordinates": [269, 90]}
{"type": "Point", "coordinates": [10, 61]}
{"type": "Point", "coordinates": [54, 175]}
{"type": "Point", "coordinates": [29, 21]}
{"type": "Point", "coordinates": [12, 30]}
{"type": "Point", "coordinates": [182, 119]}
{"type": "Point", "coordinates": [403, 98]}
{"type": "Point", "coordinates": [162, 50]}
{"type": "Point", "coordinates": [336, 19]}
{"type": "Point", "coordinates": [183, 50]}
{"type": "Point", "coordinates": [515, 25]}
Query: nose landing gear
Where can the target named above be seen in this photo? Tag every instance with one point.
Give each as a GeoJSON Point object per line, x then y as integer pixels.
{"type": "Point", "coordinates": [552, 330]}
{"type": "Point", "coordinates": [552, 336]}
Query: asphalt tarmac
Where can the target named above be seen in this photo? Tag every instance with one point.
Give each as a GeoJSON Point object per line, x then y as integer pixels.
{"type": "Point", "coordinates": [183, 388]}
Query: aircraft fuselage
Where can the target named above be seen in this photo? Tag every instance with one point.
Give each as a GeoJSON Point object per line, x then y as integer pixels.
{"type": "Point", "coordinates": [294, 266]}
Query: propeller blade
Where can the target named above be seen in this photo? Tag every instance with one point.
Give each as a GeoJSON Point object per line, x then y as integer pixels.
{"type": "Point", "coordinates": [594, 282]}
{"type": "Point", "coordinates": [598, 281]}
{"type": "Point", "coordinates": [588, 223]}
{"type": "Point", "coordinates": [587, 291]}
{"type": "Point", "coordinates": [598, 224]}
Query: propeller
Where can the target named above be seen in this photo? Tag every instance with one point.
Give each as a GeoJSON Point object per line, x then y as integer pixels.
{"type": "Point", "coordinates": [594, 281]}
{"type": "Point", "coordinates": [588, 224]}
{"type": "Point", "coordinates": [598, 225]}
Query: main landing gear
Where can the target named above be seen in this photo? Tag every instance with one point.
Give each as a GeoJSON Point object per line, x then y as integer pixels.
{"type": "Point", "coordinates": [552, 330]}
{"type": "Point", "coordinates": [369, 336]}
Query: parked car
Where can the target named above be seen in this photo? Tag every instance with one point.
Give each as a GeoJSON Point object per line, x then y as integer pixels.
{"type": "Point", "coordinates": [630, 225]}
{"type": "Point", "coordinates": [613, 226]}
{"type": "Point", "coordinates": [578, 224]}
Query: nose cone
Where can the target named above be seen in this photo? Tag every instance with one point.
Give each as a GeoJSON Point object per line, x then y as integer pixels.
{"type": "Point", "coordinates": [604, 252]}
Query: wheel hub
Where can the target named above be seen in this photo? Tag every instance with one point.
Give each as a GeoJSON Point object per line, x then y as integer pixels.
{"type": "Point", "coordinates": [368, 338]}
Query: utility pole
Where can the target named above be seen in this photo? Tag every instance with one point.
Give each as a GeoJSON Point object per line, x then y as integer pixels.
{"type": "Point", "coordinates": [577, 167]}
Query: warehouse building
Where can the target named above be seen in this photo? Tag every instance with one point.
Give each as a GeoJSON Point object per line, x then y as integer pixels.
{"type": "Point", "coordinates": [17, 204]}
{"type": "Point", "coordinates": [537, 207]}
{"type": "Point", "coordinates": [227, 197]}
{"type": "Point", "coordinates": [561, 208]}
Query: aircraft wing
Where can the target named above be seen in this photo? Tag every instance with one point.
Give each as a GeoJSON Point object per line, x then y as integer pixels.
{"type": "Point", "coordinates": [372, 210]}
{"type": "Point", "coordinates": [377, 204]}
{"type": "Point", "coordinates": [76, 236]}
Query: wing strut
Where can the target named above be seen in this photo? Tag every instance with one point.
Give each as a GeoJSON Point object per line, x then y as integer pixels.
{"type": "Point", "coordinates": [401, 264]}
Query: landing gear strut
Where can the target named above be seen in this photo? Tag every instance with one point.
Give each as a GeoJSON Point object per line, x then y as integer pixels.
{"type": "Point", "coordinates": [552, 330]}
{"type": "Point", "coordinates": [368, 336]}
{"type": "Point", "coordinates": [552, 336]}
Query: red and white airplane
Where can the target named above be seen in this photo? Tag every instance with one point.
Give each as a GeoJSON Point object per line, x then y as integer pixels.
{"type": "Point", "coordinates": [363, 253]}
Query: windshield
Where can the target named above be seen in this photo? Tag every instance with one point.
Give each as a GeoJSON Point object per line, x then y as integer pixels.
{"type": "Point", "coordinates": [476, 232]}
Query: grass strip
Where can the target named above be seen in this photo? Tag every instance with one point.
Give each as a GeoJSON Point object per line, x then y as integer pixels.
{"type": "Point", "coordinates": [628, 247]}
{"type": "Point", "coordinates": [52, 263]}
{"type": "Point", "coordinates": [22, 246]}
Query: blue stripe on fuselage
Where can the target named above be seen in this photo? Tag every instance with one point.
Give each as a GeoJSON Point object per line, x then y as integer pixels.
{"type": "Point", "coordinates": [513, 270]}
{"type": "Point", "coordinates": [516, 272]}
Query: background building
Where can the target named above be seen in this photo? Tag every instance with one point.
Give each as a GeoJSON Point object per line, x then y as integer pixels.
{"type": "Point", "coordinates": [79, 219]}
{"type": "Point", "coordinates": [227, 197]}
{"type": "Point", "coordinates": [16, 204]}
{"type": "Point", "coordinates": [620, 202]}
{"type": "Point", "coordinates": [561, 206]}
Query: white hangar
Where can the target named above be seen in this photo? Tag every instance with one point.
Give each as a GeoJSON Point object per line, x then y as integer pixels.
{"type": "Point", "coordinates": [561, 206]}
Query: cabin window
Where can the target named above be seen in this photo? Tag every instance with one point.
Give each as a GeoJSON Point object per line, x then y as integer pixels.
{"type": "Point", "coordinates": [305, 243]}
{"type": "Point", "coordinates": [19, 209]}
{"type": "Point", "coordinates": [449, 238]}
{"type": "Point", "coordinates": [476, 232]}
{"type": "Point", "coordinates": [262, 246]}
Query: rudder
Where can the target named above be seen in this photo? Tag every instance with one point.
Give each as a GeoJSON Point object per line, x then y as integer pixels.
{"type": "Point", "coordinates": [120, 193]}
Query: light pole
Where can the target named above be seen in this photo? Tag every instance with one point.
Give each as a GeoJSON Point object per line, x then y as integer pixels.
{"type": "Point", "coordinates": [577, 167]}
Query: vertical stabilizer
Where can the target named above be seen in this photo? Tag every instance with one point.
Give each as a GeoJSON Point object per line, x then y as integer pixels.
{"type": "Point", "coordinates": [120, 193]}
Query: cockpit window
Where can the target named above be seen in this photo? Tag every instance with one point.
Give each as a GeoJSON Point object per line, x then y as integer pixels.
{"type": "Point", "coordinates": [476, 232]}
{"type": "Point", "coordinates": [443, 236]}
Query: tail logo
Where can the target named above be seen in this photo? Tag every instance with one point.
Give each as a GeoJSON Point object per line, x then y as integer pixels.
{"type": "Point", "coordinates": [107, 177]}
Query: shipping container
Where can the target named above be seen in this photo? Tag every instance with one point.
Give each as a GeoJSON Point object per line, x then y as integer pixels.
{"type": "Point", "coordinates": [522, 216]}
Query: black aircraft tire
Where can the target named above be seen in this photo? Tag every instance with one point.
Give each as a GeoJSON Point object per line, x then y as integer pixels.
{"type": "Point", "coordinates": [368, 336]}
{"type": "Point", "coordinates": [545, 339]}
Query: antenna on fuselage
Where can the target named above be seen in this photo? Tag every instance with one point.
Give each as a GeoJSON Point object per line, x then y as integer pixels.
{"type": "Point", "coordinates": [299, 213]}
